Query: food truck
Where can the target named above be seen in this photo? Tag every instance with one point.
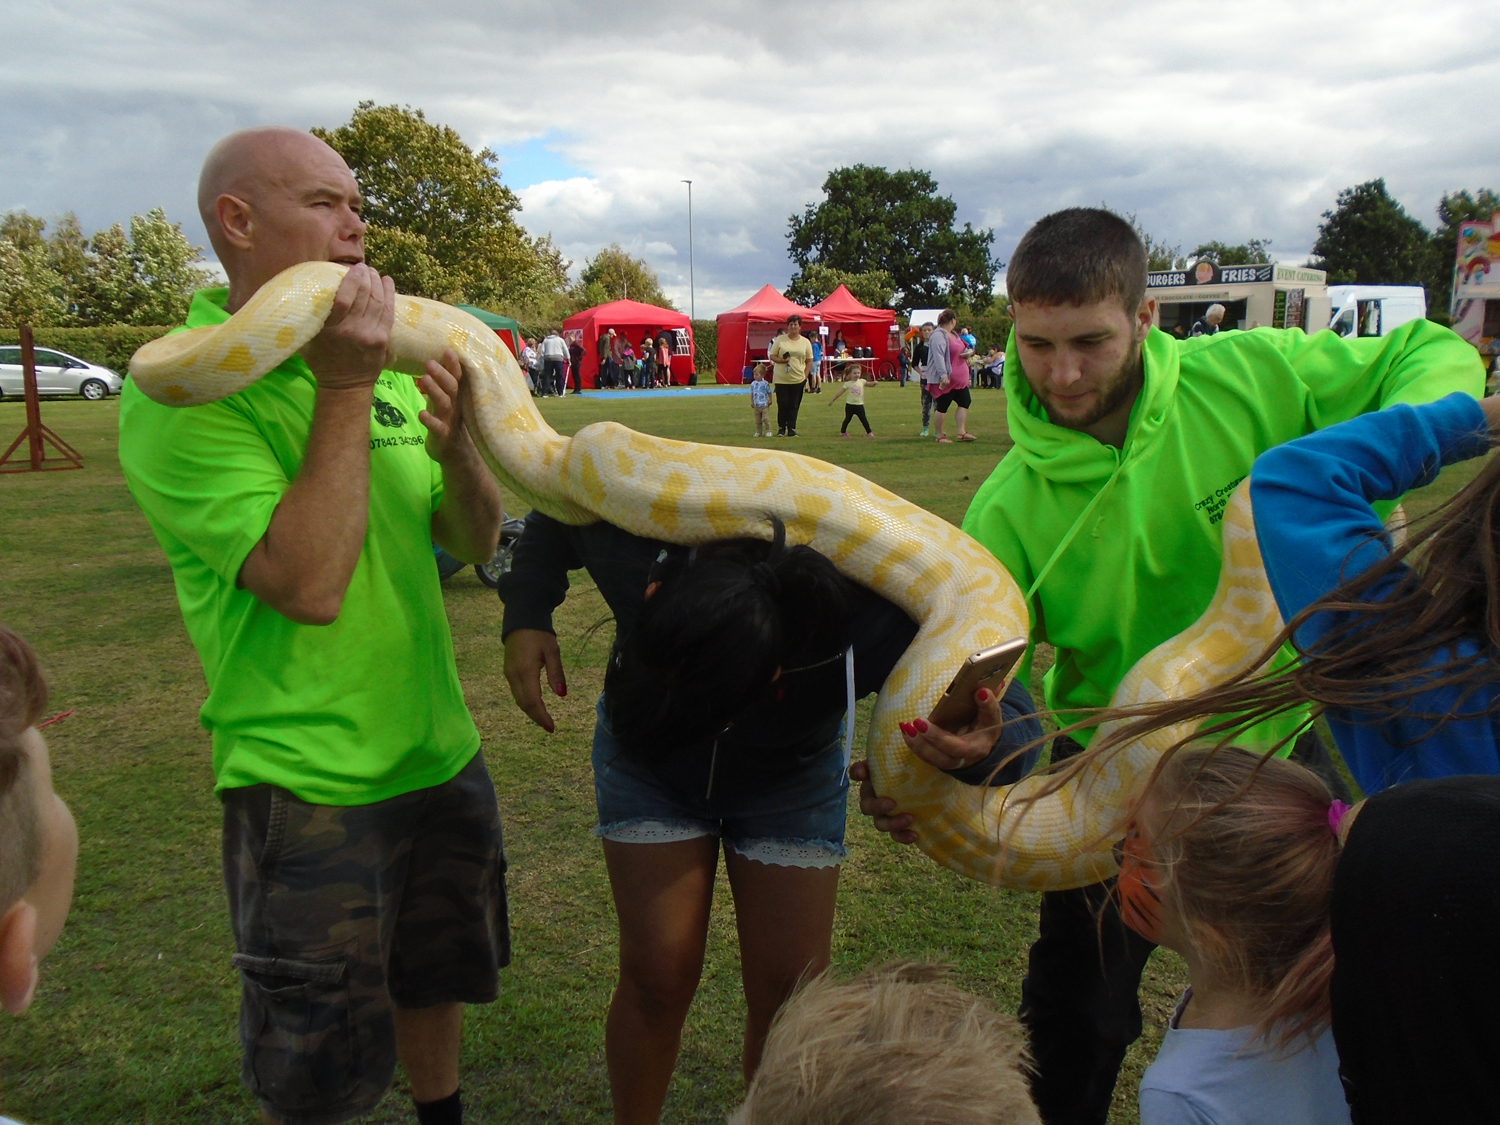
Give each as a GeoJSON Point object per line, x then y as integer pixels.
{"type": "Point", "coordinates": [1475, 308]}
{"type": "Point", "coordinates": [1263, 295]}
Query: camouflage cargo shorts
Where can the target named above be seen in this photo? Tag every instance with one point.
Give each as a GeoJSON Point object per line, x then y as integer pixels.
{"type": "Point", "coordinates": [341, 913]}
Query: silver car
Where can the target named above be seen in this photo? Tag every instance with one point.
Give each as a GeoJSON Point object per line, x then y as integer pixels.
{"type": "Point", "coordinates": [57, 373]}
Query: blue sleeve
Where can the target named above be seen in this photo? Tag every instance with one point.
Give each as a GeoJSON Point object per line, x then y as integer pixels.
{"type": "Point", "coordinates": [1317, 529]}
{"type": "Point", "coordinates": [1021, 726]}
{"type": "Point", "coordinates": [1312, 497]}
{"type": "Point", "coordinates": [1164, 1107]}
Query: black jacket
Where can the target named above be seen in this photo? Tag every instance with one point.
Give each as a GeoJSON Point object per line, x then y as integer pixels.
{"type": "Point", "coordinates": [782, 727]}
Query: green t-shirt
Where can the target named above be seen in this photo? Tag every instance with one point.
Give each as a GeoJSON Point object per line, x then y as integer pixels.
{"type": "Point", "coordinates": [350, 713]}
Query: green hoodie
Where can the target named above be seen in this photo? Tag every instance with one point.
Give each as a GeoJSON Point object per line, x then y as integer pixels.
{"type": "Point", "coordinates": [1119, 549]}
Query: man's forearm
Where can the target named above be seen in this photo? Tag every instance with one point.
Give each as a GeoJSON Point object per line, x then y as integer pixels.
{"type": "Point", "coordinates": [467, 523]}
{"type": "Point", "coordinates": [302, 565]}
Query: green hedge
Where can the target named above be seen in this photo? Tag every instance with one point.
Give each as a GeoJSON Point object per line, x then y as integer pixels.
{"type": "Point", "coordinates": [112, 347]}
{"type": "Point", "coordinates": [706, 348]}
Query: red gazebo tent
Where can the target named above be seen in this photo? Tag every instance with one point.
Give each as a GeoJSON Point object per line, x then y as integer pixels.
{"type": "Point", "coordinates": [634, 319]}
{"type": "Point", "coordinates": [747, 329]}
{"type": "Point", "coordinates": [863, 327]}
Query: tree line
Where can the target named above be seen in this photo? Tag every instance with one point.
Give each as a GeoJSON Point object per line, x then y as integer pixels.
{"type": "Point", "coordinates": [892, 240]}
{"type": "Point", "coordinates": [66, 279]}
{"type": "Point", "coordinates": [1369, 239]}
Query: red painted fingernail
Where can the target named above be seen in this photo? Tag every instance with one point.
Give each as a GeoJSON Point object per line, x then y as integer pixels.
{"type": "Point", "coordinates": [984, 695]}
{"type": "Point", "coordinates": [921, 725]}
{"type": "Point", "coordinates": [562, 691]}
{"type": "Point", "coordinates": [906, 728]}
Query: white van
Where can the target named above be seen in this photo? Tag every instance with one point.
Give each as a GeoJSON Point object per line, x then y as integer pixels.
{"type": "Point", "coordinates": [1374, 310]}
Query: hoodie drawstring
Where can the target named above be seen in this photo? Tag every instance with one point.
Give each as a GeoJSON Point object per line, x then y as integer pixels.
{"type": "Point", "coordinates": [1063, 544]}
{"type": "Point", "coordinates": [849, 707]}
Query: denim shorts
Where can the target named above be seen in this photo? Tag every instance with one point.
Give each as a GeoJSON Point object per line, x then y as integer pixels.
{"type": "Point", "coordinates": [796, 822]}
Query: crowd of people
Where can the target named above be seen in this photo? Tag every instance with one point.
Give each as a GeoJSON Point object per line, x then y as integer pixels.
{"type": "Point", "coordinates": [1338, 950]}
{"type": "Point", "coordinates": [551, 364]}
{"type": "Point", "coordinates": [940, 354]}
{"type": "Point", "coordinates": [645, 366]}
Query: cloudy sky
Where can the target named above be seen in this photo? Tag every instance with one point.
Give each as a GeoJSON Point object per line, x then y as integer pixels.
{"type": "Point", "coordinates": [1209, 120]}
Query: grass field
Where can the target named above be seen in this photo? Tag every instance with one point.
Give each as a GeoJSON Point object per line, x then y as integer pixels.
{"type": "Point", "coordinates": [136, 1017]}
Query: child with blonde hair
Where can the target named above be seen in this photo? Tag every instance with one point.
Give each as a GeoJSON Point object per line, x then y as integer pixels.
{"type": "Point", "coordinates": [854, 407]}
{"type": "Point", "coordinates": [760, 400]}
{"type": "Point", "coordinates": [898, 1045]}
{"type": "Point", "coordinates": [1229, 861]}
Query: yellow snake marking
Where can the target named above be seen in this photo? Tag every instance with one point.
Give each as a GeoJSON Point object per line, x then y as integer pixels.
{"type": "Point", "coordinates": [961, 597]}
{"type": "Point", "coordinates": [238, 358]}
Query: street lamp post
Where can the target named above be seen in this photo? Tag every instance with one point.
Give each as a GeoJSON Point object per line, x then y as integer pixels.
{"type": "Point", "coordinates": [692, 294]}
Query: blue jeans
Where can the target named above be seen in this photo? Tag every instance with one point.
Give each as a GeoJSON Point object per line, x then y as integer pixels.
{"type": "Point", "coordinates": [796, 822]}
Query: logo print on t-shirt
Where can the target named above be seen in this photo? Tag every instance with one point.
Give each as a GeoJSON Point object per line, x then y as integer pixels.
{"type": "Point", "coordinates": [388, 415]}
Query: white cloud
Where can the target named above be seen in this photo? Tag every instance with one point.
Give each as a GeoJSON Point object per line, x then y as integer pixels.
{"type": "Point", "coordinates": [733, 244]}
{"type": "Point", "coordinates": [1228, 121]}
{"type": "Point", "coordinates": [574, 201]}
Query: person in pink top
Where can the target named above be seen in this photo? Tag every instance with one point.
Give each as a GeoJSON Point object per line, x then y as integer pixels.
{"type": "Point", "coordinates": [954, 387]}
{"type": "Point", "coordinates": [663, 359]}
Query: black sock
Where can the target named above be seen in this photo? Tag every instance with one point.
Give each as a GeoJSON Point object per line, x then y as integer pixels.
{"type": "Point", "coordinates": [449, 1111]}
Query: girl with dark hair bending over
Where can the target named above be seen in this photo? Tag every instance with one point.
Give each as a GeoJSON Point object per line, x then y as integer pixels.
{"type": "Point", "coordinates": [724, 698]}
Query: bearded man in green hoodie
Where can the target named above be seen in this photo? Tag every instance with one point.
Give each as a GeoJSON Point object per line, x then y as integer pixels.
{"type": "Point", "coordinates": [1128, 444]}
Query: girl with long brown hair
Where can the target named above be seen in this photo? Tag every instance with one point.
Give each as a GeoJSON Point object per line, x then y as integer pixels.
{"type": "Point", "coordinates": [1230, 862]}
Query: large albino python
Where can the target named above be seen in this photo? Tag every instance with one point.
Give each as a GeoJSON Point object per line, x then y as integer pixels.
{"type": "Point", "coordinates": [683, 492]}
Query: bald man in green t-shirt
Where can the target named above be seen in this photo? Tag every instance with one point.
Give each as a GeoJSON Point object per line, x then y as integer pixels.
{"type": "Point", "coordinates": [362, 848]}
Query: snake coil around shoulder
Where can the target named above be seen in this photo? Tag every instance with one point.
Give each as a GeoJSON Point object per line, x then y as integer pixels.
{"type": "Point", "coordinates": [683, 492]}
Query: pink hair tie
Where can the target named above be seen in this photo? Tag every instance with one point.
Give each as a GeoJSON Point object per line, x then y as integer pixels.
{"type": "Point", "coordinates": [1336, 813]}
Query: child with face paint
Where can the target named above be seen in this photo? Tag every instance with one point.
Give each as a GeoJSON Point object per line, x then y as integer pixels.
{"type": "Point", "coordinates": [1229, 861]}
